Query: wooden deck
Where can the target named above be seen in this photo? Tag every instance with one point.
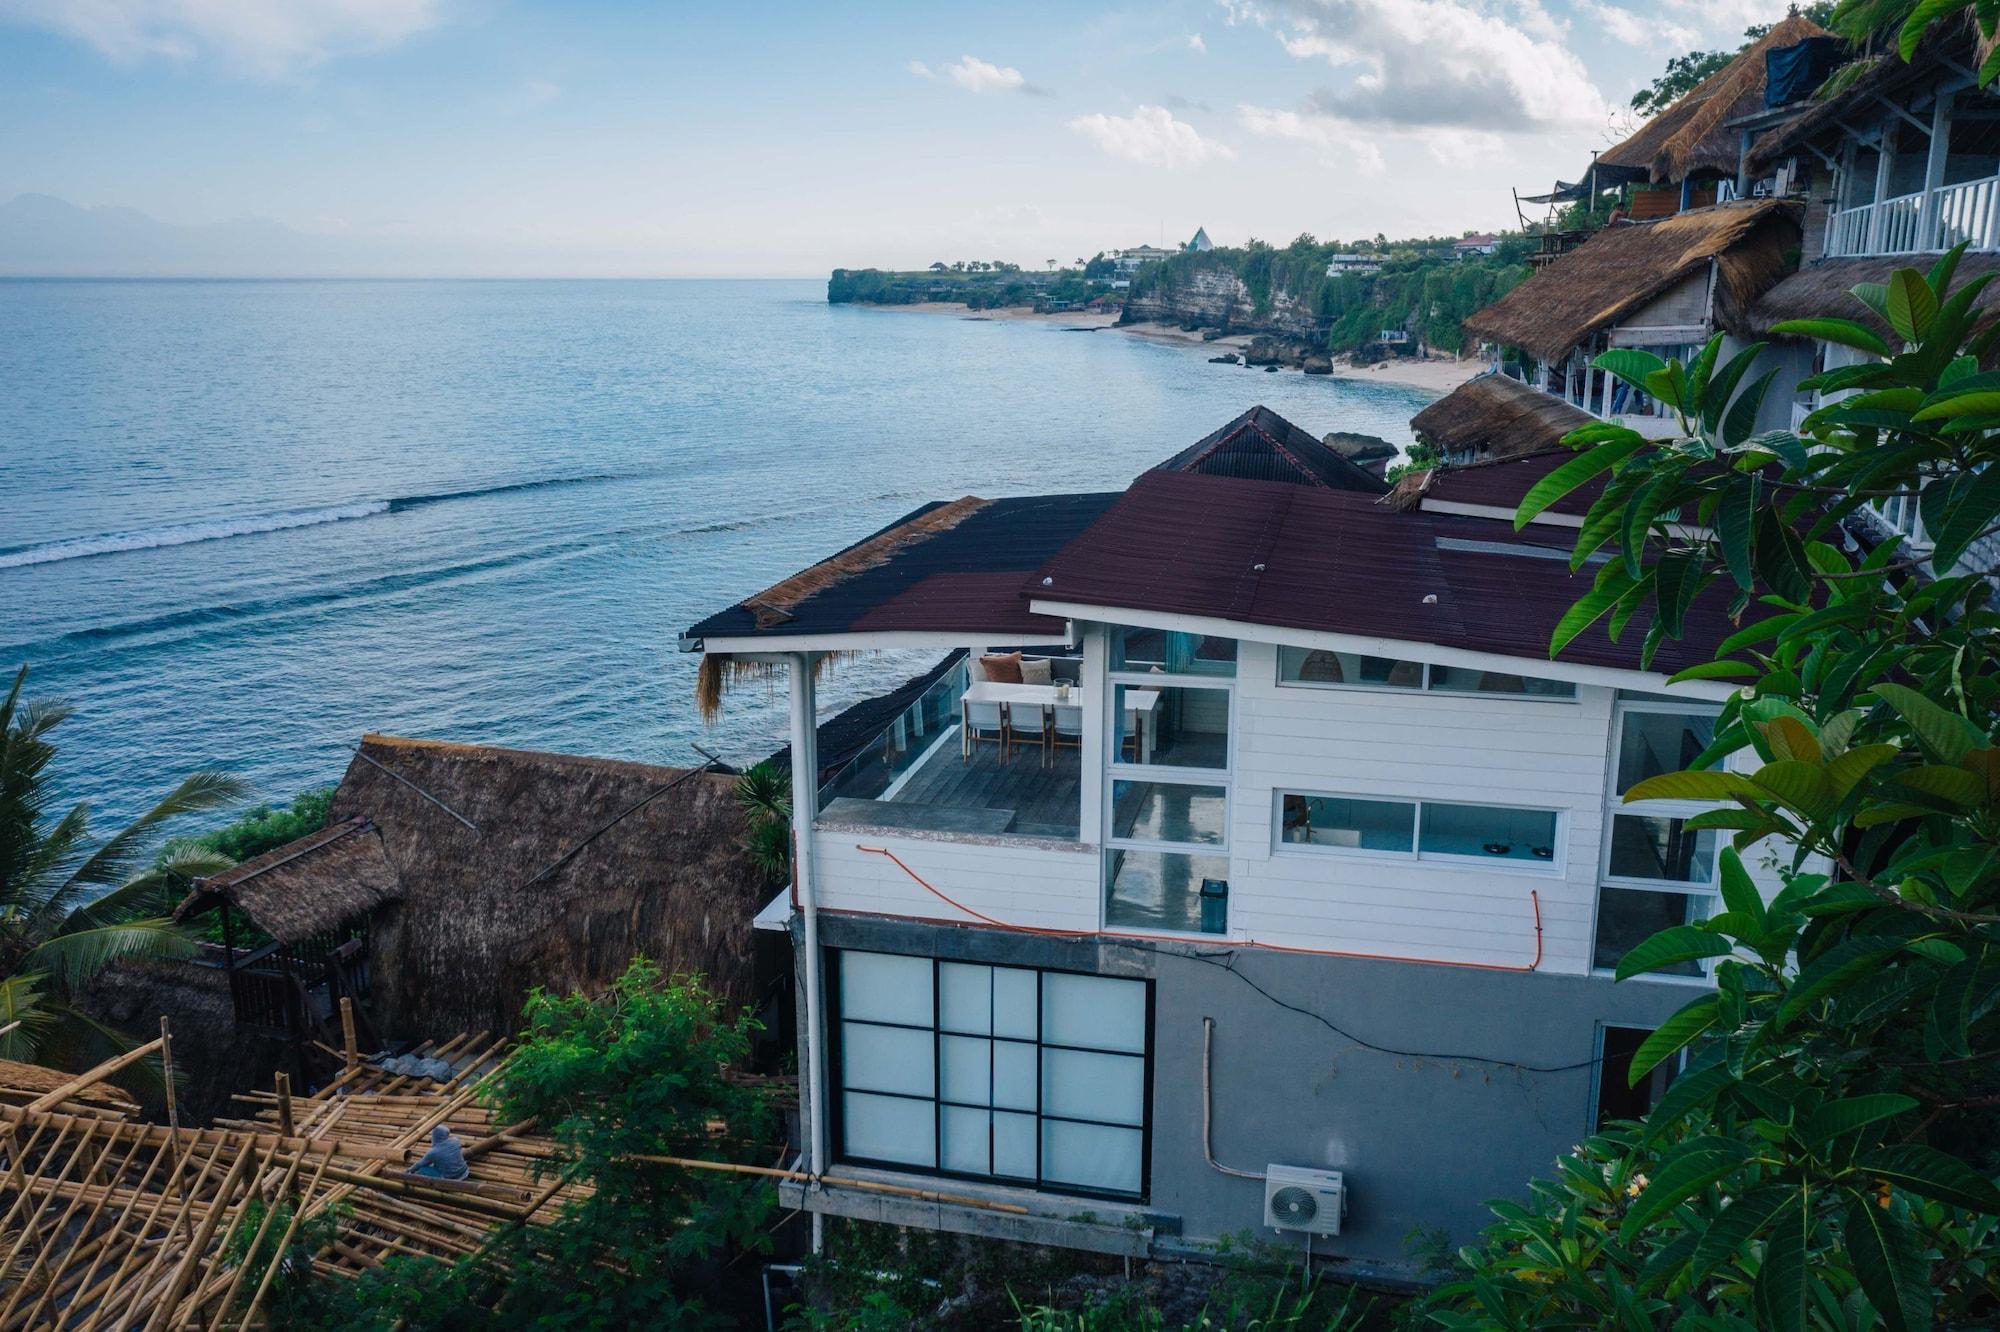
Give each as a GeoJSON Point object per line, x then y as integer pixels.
{"type": "Point", "coordinates": [1043, 798]}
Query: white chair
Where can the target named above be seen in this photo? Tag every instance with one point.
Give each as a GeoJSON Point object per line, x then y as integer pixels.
{"type": "Point", "coordinates": [1029, 725]}
{"type": "Point", "coordinates": [1066, 728]}
{"type": "Point", "coordinates": [984, 722]}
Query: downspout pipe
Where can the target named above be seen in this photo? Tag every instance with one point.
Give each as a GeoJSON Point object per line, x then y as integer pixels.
{"type": "Point", "coordinates": [805, 811]}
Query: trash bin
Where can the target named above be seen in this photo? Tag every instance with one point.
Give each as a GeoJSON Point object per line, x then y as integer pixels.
{"type": "Point", "coordinates": [1214, 906]}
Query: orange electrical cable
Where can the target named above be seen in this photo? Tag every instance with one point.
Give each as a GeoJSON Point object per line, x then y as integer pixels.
{"type": "Point", "coordinates": [1534, 898]}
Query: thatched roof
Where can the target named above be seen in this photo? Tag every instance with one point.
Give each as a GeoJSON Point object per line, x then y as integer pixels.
{"type": "Point", "coordinates": [21, 1084]}
{"type": "Point", "coordinates": [1854, 94]}
{"type": "Point", "coordinates": [1693, 135]}
{"type": "Point", "coordinates": [1622, 267]}
{"type": "Point", "coordinates": [1825, 290]}
{"type": "Point", "coordinates": [1495, 416]}
{"type": "Point", "coordinates": [572, 871]}
{"type": "Point", "coordinates": [320, 882]}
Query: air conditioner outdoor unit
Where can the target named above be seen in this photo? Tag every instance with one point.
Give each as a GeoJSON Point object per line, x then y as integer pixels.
{"type": "Point", "coordinates": [1304, 1199]}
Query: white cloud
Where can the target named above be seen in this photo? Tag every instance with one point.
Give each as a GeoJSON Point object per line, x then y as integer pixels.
{"type": "Point", "coordinates": [980, 76]}
{"type": "Point", "coordinates": [1652, 31]}
{"type": "Point", "coordinates": [1150, 135]}
{"type": "Point", "coordinates": [268, 40]}
{"type": "Point", "coordinates": [1338, 144]}
{"type": "Point", "coordinates": [921, 70]}
{"type": "Point", "coordinates": [1196, 44]}
{"type": "Point", "coordinates": [1441, 63]}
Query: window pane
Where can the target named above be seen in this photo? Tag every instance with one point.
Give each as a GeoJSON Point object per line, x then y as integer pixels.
{"type": "Point", "coordinates": [1627, 917]}
{"type": "Point", "coordinates": [1173, 725]}
{"type": "Point", "coordinates": [965, 998]}
{"type": "Point", "coordinates": [1366, 825]}
{"type": "Point", "coordinates": [1176, 654]}
{"type": "Point", "coordinates": [965, 1072]}
{"type": "Point", "coordinates": [1094, 1011]}
{"type": "Point", "coordinates": [1079, 1085]}
{"type": "Point", "coordinates": [1168, 812]}
{"type": "Point", "coordinates": [1491, 832]}
{"type": "Point", "coordinates": [1091, 1156]}
{"type": "Point", "coordinates": [1645, 847]}
{"type": "Point", "coordinates": [1650, 743]}
{"type": "Point", "coordinates": [1465, 680]}
{"type": "Point", "coordinates": [1014, 1076]}
{"type": "Point", "coordinates": [965, 1139]}
{"type": "Point", "coordinates": [1016, 1006]}
{"type": "Point", "coordinates": [1014, 1145]}
{"type": "Point", "coordinates": [888, 1128]}
{"type": "Point", "coordinates": [885, 987]}
{"type": "Point", "coordinates": [1164, 890]}
{"type": "Point", "coordinates": [885, 1059]}
{"type": "Point", "coordinates": [1298, 665]}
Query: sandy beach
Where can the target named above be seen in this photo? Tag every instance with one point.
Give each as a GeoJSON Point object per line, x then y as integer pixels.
{"type": "Point", "coordinates": [1092, 319]}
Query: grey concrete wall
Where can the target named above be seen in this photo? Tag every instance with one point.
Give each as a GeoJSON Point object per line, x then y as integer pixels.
{"type": "Point", "coordinates": [1451, 1113]}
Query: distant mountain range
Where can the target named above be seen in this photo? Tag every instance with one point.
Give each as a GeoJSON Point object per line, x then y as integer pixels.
{"type": "Point", "coordinates": [43, 236]}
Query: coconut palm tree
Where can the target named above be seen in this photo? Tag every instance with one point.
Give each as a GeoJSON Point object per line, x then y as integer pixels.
{"type": "Point", "coordinates": [70, 906]}
{"type": "Point", "coordinates": [765, 793]}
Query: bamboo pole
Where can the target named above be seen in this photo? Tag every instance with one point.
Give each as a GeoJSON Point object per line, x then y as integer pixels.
{"type": "Point", "coordinates": [50, 1100]}
{"type": "Point", "coordinates": [257, 1243]}
{"type": "Point", "coordinates": [347, 1031]}
{"type": "Point", "coordinates": [285, 1124]}
{"type": "Point", "coordinates": [197, 1247]}
{"type": "Point", "coordinates": [277, 1261]}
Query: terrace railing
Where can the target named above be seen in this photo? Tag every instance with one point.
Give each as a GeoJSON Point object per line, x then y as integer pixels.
{"type": "Point", "coordinates": [902, 744]}
{"type": "Point", "coordinates": [1920, 223]}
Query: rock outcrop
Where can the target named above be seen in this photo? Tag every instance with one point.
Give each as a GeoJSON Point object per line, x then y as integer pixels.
{"type": "Point", "coordinates": [1215, 297]}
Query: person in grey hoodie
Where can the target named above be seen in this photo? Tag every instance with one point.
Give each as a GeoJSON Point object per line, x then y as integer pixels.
{"type": "Point", "coordinates": [445, 1159]}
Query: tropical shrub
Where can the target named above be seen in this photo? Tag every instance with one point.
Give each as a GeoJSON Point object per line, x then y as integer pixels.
{"type": "Point", "coordinates": [1825, 1159]}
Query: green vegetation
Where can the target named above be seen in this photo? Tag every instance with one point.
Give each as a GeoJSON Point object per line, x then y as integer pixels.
{"type": "Point", "coordinates": [1825, 1160]}
{"type": "Point", "coordinates": [262, 829]}
{"type": "Point", "coordinates": [69, 905]}
{"type": "Point", "coordinates": [981, 287]}
{"type": "Point", "coordinates": [764, 792]}
{"type": "Point", "coordinates": [641, 1072]}
{"type": "Point", "coordinates": [1421, 287]}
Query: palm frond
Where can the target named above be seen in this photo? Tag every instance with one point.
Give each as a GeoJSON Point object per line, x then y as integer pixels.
{"type": "Point", "coordinates": [21, 1001]}
{"type": "Point", "coordinates": [75, 957]}
{"type": "Point", "coordinates": [78, 1040]}
{"type": "Point", "coordinates": [117, 859]}
{"type": "Point", "coordinates": [157, 890]}
{"type": "Point", "coordinates": [37, 877]}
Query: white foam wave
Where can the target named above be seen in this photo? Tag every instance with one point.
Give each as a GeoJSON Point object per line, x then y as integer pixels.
{"type": "Point", "coordinates": [183, 534]}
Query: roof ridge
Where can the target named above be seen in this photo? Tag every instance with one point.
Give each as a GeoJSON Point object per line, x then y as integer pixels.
{"type": "Point", "coordinates": [245, 870]}
{"type": "Point", "coordinates": [544, 756]}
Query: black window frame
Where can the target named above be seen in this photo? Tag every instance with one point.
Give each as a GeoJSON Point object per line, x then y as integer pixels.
{"type": "Point", "coordinates": [837, 1084]}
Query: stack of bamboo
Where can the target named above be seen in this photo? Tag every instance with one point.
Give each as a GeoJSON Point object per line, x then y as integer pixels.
{"type": "Point", "coordinates": [107, 1222]}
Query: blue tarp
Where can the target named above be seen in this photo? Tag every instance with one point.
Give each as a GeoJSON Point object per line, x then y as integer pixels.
{"type": "Point", "coordinates": [1791, 73]}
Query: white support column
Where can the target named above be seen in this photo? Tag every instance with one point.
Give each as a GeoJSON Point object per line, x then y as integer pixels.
{"type": "Point", "coordinates": [805, 812]}
{"type": "Point", "coordinates": [1934, 162]}
{"type": "Point", "coordinates": [1878, 220]}
{"type": "Point", "coordinates": [1093, 754]}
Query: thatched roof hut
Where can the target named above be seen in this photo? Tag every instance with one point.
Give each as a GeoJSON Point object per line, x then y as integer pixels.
{"type": "Point", "coordinates": [1496, 416]}
{"type": "Point", "coordinates": [1825, 290]}
{"type": "Point", "coordinates": [318, 883]}
{"type": "Point", "coordinates": [1613, 276]}
{"type": "Point", "coordinates": [1693, 134]}
{"type": "Point", "coordinates": [569, 867]}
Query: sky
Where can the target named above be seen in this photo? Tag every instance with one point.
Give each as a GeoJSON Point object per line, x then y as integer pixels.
{"type": "Point", "coordinates": [594, 138]}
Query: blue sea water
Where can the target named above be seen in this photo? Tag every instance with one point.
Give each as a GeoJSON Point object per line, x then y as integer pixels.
{"type": "Point", "coordinates": [241, 523]}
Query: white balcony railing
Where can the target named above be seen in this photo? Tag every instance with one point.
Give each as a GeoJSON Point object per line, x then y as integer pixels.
{"type": "Point", "coordinates": [1920, 223]}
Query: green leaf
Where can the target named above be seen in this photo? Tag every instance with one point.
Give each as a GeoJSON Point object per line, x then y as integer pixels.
{"type": "Point", "coordinates": [1977, 403]}
{"type": "Point", "coordinates": [1783, 1281]}
{"type": "Point", "coordinates": [1697, 1087]}
{"type": "Point", "coordinates": [1741, 419]}
{"type": "Point", "coordinates": [1699, 1164]}
{"type": "Point", "coordinates": [1947, 736]}
{"type": "Point", "coordinates": [1739, 893]}
{"type": "Point", "coordinates": [1839, 965]}
{"type": "Point", "coordinates": [1715, 395]}
{"type": "Point", "coordinates": [1673, 1035]}
{"type": "Point", "coordinates": [1677, 580]}
{"type": "Point", "coordinates": [1798, 786]}
{"type": "Point", "coordinates": [1912, 304]}
{"type": "Point", "coordinates": [1853, 1112]}
{"type": "Point", "coordinates": [1694, 786]}
{"type": "Point", "coordinates": [1671, 947]}
{"type": "Point", "coordinates": [1890, 1265]}
{"type": "Point", "coordinates": [1970, 513]}
{"type": "Point", "coordinates": [1840, 332]}
{"type": "Point", "coordinates": [1926, 13]}
{"type": "Point", "coordinates": [1612, 585]}
{"type": "Point", "coordinates": [1780, 557]}
{"type": "Point", "coordinates": [1953, 785]}
{"type": "Point", "coordinates": [1571, 475]}
{"type": "Point", "coordinates": [1739, 1223]}
{"type": "Point", "coordinates": [1847, 771]}
{"type": "Point", "coordinates": [1733, 518]}
{"type": "Point", "coordinates": [1930, 1173]}
{"type": "Point", "coordinates": [1713, 670]}
{"type": "Point", "coordinates": [1629, 364]}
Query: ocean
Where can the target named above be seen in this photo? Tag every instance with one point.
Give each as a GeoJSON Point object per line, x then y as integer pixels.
{"type": "Point", "coordinates": [241, 523]}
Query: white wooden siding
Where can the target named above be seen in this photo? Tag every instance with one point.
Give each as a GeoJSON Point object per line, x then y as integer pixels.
{"type": "Point", "coordinates": [1037, 886]}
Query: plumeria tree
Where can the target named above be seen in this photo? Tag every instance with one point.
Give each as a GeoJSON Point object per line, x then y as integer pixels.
{"type": "Point", "coordinates": [71, 904]}
{"type": "Point", "coordinates": [1825, 1157]}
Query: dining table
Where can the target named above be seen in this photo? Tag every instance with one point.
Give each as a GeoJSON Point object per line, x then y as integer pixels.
{"type": "Point", "coordinates": [1142, 706]}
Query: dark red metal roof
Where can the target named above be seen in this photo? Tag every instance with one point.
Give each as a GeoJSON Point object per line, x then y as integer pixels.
{"type": "Point", "coordinates": [1265, 553]}
{"type": "Point", "coordinates": [1502, 483]}
{"type": "Point", "coordinates": [1261, 445]}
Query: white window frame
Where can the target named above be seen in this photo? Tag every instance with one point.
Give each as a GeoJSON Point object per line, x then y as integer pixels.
{"type": "Point", "coordinates": [1362, 687]}
{"type": "Point", "coordinates": [1116, 769]}
{"type": "Point", "coordinates": [1554, 866]}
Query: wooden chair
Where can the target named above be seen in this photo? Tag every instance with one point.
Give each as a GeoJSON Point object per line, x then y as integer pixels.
{"type": "Point", "coordinates": [985, 722]}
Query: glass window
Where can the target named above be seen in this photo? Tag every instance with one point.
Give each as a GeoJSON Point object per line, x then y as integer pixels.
{"type": "Point", "coordinates": [1466, 680]}
{"type": "Point", "coordinates": [1366, 825]}
{"type": "Point", "coordinates": [1169, 812]}
{"type": "Point", "coordinates": [1026, 1075]}
{"type": "Point", "coordinates": [1172, 726]}
{"type": "Point", "coordinates": [1166, 890]}
{"type": "Point", "coordinates": [1645, 846]}
{"type": "Point", "coordinates": [1651, 743]}
{"type": "Point", "coordinates": [1487, 831]}
{"type": "Point", "coordinates": [1627, 917]}
{"type": "Point", "coordinates": [1172, 653]}
{"type": "Point", "coordinates": [1321, 666]}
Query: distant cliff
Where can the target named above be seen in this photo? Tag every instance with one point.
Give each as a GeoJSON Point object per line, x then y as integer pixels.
{"type": "Point", "coordinates": [1420, 287]}
{"type": "Point", "coordinates": [987, 290]}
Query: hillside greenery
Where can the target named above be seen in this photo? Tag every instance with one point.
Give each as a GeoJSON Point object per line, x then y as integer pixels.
{"type": "Point", "coordinates": [1422, 286]}
{"type": "Point", "coordinates": [985, 289]}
